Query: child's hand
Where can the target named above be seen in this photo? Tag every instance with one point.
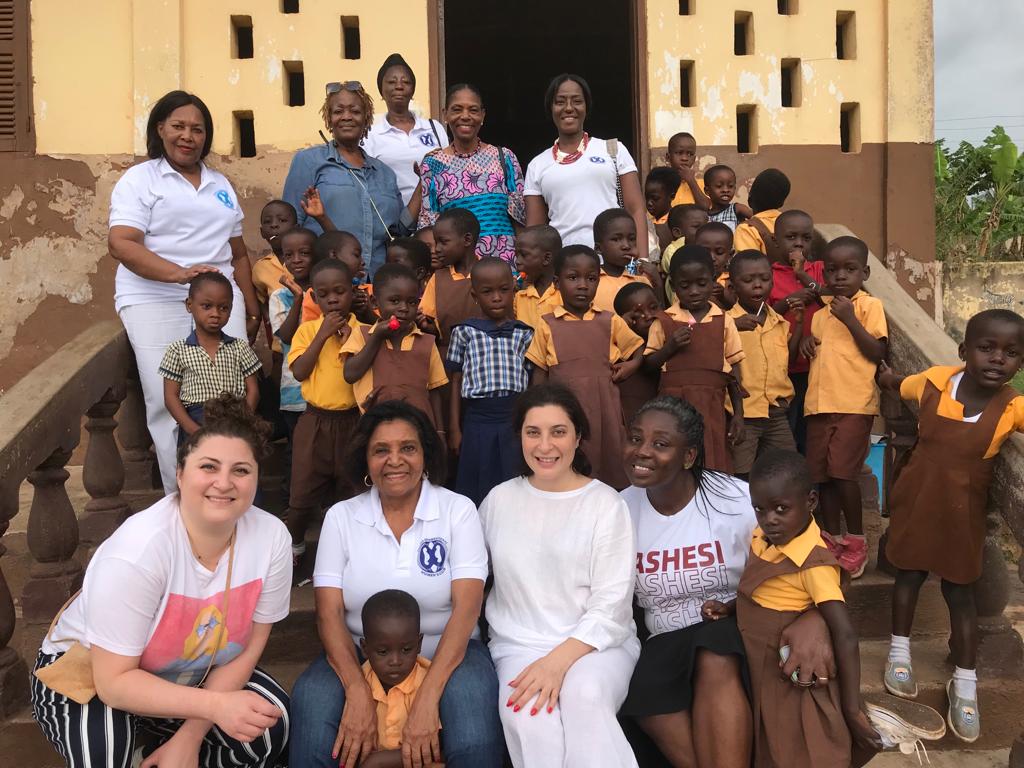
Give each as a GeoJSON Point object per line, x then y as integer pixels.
{"type": "Point", "coordinates": [388, 329]}
{"type": "Point", "coordinates": [735, 432]}
{"type": "Point", "coordinates": [650, 270]}
{"type": "Point", "coordinates": [746, 322]}
{"type": "Point", "coordinates": [335, 324]}
{"type": "Point", "coordinates": [455, 439]}
{"type": "Point", "coordinates": [863, 733]}
{"type": "Point", "coordinates": [797, 260]}
{"type": "Point", "coordinates": [360, 300]}
{"type": "Point", "coordinates": [370, 399]}
{"type": "Point", "coordinates": [288, 282]}
{"type": "Point", "coordinates": [713, 610]}
{"type": "Point", "coordinates": [426, 323]}
{"type": "Point", "coordinates": [809, 347]}
{"type": "Point", "coordinates": [681, 336]}
{"type": "Point", "coordinates": [717, 292]}
{"type": "Point", "coordinates": [623, 369]}
{"type": "Point", "coordinates": [797, 308]}
{"type": "Point", "coordinates": [311, 203]}
{"type": "Point", "coordinates": [842, 308]}
{"type": "Point", "coordinates": [886, 378]}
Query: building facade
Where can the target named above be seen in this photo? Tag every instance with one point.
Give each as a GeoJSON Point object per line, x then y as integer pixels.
{"type": "Point", "coordinates": [838, 94]}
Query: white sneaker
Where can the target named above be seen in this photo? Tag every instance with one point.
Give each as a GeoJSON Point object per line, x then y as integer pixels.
{"type": "Point", "coordinates": [905, 724]}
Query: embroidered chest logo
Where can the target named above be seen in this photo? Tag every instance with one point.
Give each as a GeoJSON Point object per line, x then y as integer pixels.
{"type": "Point", "coordinates": [225, 199]}
{"type": "Point", "coordinates": [596, 159]}
{"type": "Point", "coordinates": [427, 140]}
{"type": "Point", "coordinates": [433, 556]}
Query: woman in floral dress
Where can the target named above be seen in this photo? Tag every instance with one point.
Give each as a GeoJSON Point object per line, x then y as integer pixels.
{"type": "Point", "coordinates": [479, 177]}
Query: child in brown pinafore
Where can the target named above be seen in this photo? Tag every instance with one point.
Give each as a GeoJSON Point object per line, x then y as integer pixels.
{"type": "Point", "coordinates": [698, 350]}
{"type": "Point", "coordinates": [637, 304]}
{"type": "Point", "coordinates": [588, 351]}
{"type": "Point", "coordinates": [789, 570]}
{"type": "Point", "coordinates": [395, 360]}
{"type": "Point", "coordinates": [938, 499]}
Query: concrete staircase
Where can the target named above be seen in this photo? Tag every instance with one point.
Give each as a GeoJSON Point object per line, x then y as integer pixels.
{"type": "Point", "coordinates": [294, 643]}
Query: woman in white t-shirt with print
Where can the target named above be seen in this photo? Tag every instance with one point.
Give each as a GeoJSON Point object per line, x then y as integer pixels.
{"type": "Point", "coordinates": [560, 612]}
{"type": "Point", "coordinates": [183, 593]}
{"type": "Point", "coordinates": [577, 178]}
{"type": "Point", "coordinates": [404, 532]}
{"type": "Point", "coordinates": [693, 529]}
{"type": "Point", "coordinates": [171, 218]}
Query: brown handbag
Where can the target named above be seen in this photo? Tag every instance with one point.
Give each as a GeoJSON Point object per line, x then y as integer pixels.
{"type": "Point", "coordinates": [71, 674]}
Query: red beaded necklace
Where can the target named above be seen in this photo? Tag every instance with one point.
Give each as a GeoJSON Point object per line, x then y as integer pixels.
{"type": "Point", "coordinates": [563, 158]}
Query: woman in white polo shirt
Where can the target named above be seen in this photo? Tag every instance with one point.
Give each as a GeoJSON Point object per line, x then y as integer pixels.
{"type": "Point", "coordinates": [171, 218]}
{"type": "Point", "coordinates": [580, 176]}
{"type": "Point", "coordinates": [693, 529]}
{"type": "Point", "coordinates": [404, 532]}
{"type": "Point", "coordinates": [399, 137]}
{"type": "Point", "coordinates": [560, 612]}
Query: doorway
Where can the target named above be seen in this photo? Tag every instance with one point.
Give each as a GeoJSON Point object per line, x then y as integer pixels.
{"type": "Point", "coordinates": [512, 50]}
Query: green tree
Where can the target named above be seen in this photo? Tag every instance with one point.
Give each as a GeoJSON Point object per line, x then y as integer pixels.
{"type": "Point", "coordinates": [979, 200]}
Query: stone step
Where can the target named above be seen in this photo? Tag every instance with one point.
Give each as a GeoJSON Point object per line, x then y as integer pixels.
{"type": "Point", "coordinates": [870, 601]}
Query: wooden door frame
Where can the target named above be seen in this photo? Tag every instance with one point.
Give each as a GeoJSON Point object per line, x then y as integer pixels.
{"type": "Point", "coordinates": [638, 72]}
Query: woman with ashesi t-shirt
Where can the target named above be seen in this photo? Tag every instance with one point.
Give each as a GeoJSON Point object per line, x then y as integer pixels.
{"type": "Point", "coordinates": [176, 609]}
{"type": "Point", "coordinates": [580, 176]}
{"type": "Point", "coordinates": [693, 529]}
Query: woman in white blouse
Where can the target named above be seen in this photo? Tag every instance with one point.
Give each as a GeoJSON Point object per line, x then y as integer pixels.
{"type": "Point", "coordinates": [560, 612]}
{"type": "Point", "coordinates": [173, 217]}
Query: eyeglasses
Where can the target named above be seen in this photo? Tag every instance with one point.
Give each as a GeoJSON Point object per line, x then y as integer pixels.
{"type": "Point", "coordinates": [349, 85]}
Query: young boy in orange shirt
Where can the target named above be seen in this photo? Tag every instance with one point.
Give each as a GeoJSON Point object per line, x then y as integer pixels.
{"type": "Point", "coordinates": [848, 340]}
{"type": "Point", "coordinates": [536, 248]}
{"type": "Point", "coordinates": [615, 240]}
{"type": "Point", "coordinates": [768, 194]}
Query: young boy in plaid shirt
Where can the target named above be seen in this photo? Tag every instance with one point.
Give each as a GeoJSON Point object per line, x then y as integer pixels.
{"type": "Point", "coordinates": [208, 363]}
{"type": "Point", "coordinates": [488, 368]}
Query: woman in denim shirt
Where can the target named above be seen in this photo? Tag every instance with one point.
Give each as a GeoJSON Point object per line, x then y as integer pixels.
{"type": "Point", "coordinates": [359, 193]}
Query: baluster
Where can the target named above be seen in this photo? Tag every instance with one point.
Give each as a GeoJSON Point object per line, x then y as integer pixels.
{"type": "Point", "coordinates": [52, 539]}
{"type": "Point", "coordinates": [13, 672]}
{"type": "Point", "coordinates": [103, 472]}
{"type": "Point", "coordinates": [139, 460]}
{"type": "Point", "coordinates": [1000, 649]}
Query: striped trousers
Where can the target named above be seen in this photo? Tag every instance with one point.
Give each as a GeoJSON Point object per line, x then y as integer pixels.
{"type": "Point", "coordinates": [96, 735]}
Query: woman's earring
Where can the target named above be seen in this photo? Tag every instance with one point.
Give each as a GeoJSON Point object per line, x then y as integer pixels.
{"type": "Point", "coordinates": [426, 475]}
{"type": "Point", "coordinates": [366, 481]}
{"type": "Point", "coordinates": [688, 465]}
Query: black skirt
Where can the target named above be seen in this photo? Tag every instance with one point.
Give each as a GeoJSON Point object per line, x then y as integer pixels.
{"type": "Point", "coordinates": [663, 677]}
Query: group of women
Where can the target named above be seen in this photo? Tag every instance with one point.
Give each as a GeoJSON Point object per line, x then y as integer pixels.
{"type": "Point", "coordinates": [177, 605]}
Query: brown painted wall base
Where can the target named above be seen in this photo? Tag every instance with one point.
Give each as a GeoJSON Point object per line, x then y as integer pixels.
{"type": "Point", "coordinates": [884, 193]}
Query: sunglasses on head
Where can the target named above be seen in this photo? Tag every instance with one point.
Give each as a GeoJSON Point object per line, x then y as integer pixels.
{"type": "Point", "coordinates": [348, 85]}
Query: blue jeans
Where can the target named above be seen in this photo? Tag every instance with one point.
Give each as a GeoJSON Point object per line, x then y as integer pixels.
{"type": "Point", "coordinates": [471, 735]}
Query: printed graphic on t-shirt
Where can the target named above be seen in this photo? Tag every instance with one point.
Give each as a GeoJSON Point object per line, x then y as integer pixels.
{"type": "Point", "coordinates": [190, 629]}
{"type": "Point", "coordinates": [668, 579]}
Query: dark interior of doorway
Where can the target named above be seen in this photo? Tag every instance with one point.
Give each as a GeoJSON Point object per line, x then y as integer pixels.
{"type": "Point", "coordinates": [511, 50]}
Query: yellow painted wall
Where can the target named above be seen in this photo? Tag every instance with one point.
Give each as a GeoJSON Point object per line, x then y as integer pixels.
{"type": "Point", "coordinates": [100, 65]}
{"type": "Point", "coordinates": [724, 80]}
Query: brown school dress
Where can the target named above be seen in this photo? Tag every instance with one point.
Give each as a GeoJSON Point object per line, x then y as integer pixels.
{"type": "Point", "coordinates": [793, 727]}
{"type": "Point", "coordinates": [695, 374]}
{"type": "Point", "coordinates": [938, 499]}
{"type": "Point", "coordinates": [455, 304]}
{"type": "Point", "coordinates": [404, 375]}
{"type": "Point", "coordinates": [581, 347]}
{"type": "Point", "coordinates": [637, 390]}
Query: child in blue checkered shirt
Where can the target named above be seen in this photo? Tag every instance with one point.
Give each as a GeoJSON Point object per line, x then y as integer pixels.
{"type": "Point", "coordinates": [208, 363]}
{"type": "Point", "coordinates": [488, 369]}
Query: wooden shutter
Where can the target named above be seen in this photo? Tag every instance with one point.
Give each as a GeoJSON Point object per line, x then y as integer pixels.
{"type": "Point", "coordinates": [15, 103]}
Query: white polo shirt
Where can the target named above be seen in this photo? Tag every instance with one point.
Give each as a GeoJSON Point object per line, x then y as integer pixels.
{"type": "Point", "coordinates": [577, 192]}
{"type": "Point", "coordinates": [399, 150]}
{"type": "Point", "coordinates": [185, 225]}
{"type": "Point", "coordinates": [359, 554]}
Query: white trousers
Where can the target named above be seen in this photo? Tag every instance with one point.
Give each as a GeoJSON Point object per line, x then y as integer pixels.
{"type": "Point", "coordinates": [582, 732]}
{"type": "Point", "coordinates": [151, 329]}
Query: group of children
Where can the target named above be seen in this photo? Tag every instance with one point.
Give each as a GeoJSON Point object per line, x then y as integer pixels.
{"type": "Point", "coordinates": [727, 310]}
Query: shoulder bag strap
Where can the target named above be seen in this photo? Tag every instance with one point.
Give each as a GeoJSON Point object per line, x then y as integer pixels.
{"type": "Point", "coordinates": [433, 127]}
{"type": "Point", "coordinates": [224, 613]}
{"type": "Point", "coordinates": [612, 145]}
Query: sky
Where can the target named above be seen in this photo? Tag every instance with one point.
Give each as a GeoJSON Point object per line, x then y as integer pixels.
{"type": "Point", "coordinates": [979, 69]}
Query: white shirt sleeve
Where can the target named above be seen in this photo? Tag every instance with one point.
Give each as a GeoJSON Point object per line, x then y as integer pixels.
{"type": "Point", "coordinates": [469, 553]}
{"type": "Point", "coordinates": [121, 626]}
{"type": "Point", "coordinates": [607, 621]}
{"type": "Point", "coordinates": [276, 310]}
{"type": "Point", "coordinates": [625, 161]}
{"type": "Point", "coordinates": [131, 202]}
{"type": "Point", "coordinates": [275, 596]}
{"type": "Point", "coordinates": [531, 185]}
{"type": "Point", "coordinates": [239, 215]}
{"type": "Point", "coordinates": [332, 551]}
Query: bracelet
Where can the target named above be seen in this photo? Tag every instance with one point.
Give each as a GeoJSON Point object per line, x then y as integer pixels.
{"type": "Point", "coordinates": [813, 286]}
{"type": "Point", "coordinates": [252, 317]}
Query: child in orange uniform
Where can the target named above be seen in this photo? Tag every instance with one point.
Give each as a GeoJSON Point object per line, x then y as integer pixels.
{"type": "Point", "coordinates": [536, 249]}
{"type": "Point", "coordinates": [616, 243]}
{"type": "Point", "coordinates": [938, 499]}
{"type": "Point", "coordinates": [588, 350]}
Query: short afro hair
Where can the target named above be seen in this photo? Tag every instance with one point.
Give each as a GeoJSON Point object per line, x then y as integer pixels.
{"type": "Point", "coordinates": [389, 273]}
{"type": "Point", "coordinates": [327, 265]}
{"type": "Point", "coordinates": [714, 170]}
{"type": "Point", "coordinates": [571, 251]}
{"type": "Point", "coordinates": [748, 256]}
{"type": "Point", "coordinates": [978, 322]}
{"type": "Point", "coordinates": [417, 250]}
{"type": "Point", "coordinates": [214, 278]}
{"type": "Point", "coordinates": [627, 292]}
{"type": "Point", "coordinates": [332, 242]}
{"type": "Point", "coordinates": [464, 222]}
{"type": "Point", "coordinates": [789, 465]}
{"type": "Point", "coordinates": [691, 254]}
{"type": "Point", "coordinates": [848, 241]}
{"type": "Point", "coordinates": [677, 214]}
{"type": "Point", "coordinates": [546, 235]}
{"type": "Point", "coordinates": [769, 190]}
{"type": "Point", "coordinates": [390, 603]}
{"type": "Point", "coordinates": [667, 177]}
{"type": "Point", "coordinates": [604, 221]}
